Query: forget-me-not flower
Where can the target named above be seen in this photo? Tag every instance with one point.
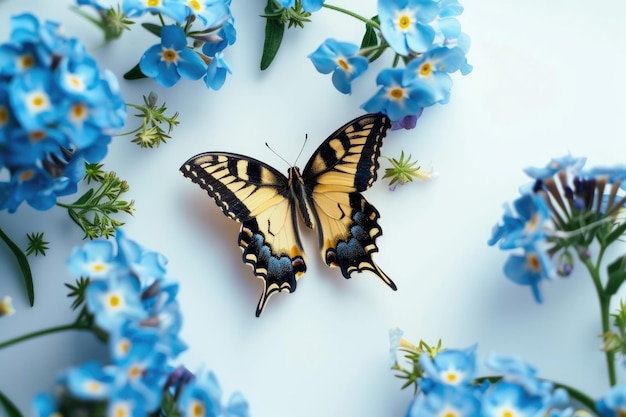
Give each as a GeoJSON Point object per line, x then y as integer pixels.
{"type": "Point", "coordinates": [342, 59]}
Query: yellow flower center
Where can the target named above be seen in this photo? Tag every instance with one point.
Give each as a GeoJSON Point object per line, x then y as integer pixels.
{"type": "Point", "coordinates": [404, 22]}
{"type": "Point", "coordinates": [124, 346]}
{"type": "Point", "coordinates": [120, 410]}
{"type": "Point", "coordinates": [396, 93]}
{"type": "Point", "coordinates": [169, 55]}
{"type": "Point", "coordinates": [37, 136]}
{"type": "Point", "coordinates": [532, 224]}
{"type": "Point", "coordinates": [196, 409]}
{"type": "Point", "coordinates": [507, 413]}
{"type": "Point", "coordinates": [343, 64]}
{"type": "Point", "coordinates": [4, 116]}
{"type": "Point", "coordinates": [114, 300]}
{"type": "Point", "coordinates": [26, 175]}
{"type": "Point", "coordinates": [93, 386]}
{"type": "Point", "coordinates": [78, 112]}
{"type": "Point", "coordinates": [195, 5]}
{"type": "Point", "coordinates": [532, 260]}
{"type": "Point", "coordinates": [135, 372]}
{"type": "Point", "coordinates": [37, 101]}
{"type": "Point", "coordinates": [25, 61]}
{"type": "Point", "coordinates": [426, 69]}
{"type": "Point", "coordinates": [153, 3]}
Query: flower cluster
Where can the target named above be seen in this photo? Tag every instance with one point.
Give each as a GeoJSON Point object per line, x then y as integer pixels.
{"type": "Point", "coordinates": [557, 217]}
{"type": "Point", "coordinates": [570, 212]}
{"type": "Point", "coordinates": [424, 34]}
{"type": "Point", "coordinates": [447, 384]}
{"type": "Point", "coordinates": [57, 111]}
{"type": "Point", "coordinates": [185, 50]}
{"type": "Point", "coordinates": [131, 303]}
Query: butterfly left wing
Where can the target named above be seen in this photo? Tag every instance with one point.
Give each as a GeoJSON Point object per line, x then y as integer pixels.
{"type": "Point", "coordinates": [257, 196]}
{"type": "Point", "coordinates": [344, 165]}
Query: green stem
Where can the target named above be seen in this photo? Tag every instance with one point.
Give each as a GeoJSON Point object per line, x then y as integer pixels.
{"type": "Point", "coordinates": [605, 304]}
{"type": "Point", "coordinates": [22, 261]}
{"type": "Point", "coordinates": [356, 16]}
{"type": "Point", "coordinates": [73, 326]}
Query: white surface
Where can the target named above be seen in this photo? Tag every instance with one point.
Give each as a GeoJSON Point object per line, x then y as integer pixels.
{"type": "Point", "coordinates": [548, 79]}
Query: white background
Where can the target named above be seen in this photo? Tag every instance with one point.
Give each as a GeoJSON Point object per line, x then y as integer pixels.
{"type": "Point", "coordinates": [548, 80]}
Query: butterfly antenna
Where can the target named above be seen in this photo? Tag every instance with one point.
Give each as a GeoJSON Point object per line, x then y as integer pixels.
{"type": "Point", "coordinates": [306, 137]}
{"type": "Point", "coordinates": [276, 153]}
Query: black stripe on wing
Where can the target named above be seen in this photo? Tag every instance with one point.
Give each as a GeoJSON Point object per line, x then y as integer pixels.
{"type": "Point", "coordinates": [349, 157]}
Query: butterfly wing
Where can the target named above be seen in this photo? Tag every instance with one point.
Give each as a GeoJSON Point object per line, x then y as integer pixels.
{"type": "Point", "coordinates": [257, 196]}
{"type": "Point", "coordinates": [344, 165]}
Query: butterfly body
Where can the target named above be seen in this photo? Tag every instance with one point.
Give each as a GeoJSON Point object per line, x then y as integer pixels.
{"type": "Point", "coordinates": [325, 195]}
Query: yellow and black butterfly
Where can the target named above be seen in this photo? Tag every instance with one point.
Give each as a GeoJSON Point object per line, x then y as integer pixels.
{"type": "Point", "coordinates": [327, 194]}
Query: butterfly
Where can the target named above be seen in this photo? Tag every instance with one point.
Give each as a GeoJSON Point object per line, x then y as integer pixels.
{"type": "Point", "coordinates": [326, 195]}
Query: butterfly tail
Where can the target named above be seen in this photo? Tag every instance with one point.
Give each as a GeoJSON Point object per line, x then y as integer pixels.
{"type": "Point", "coordinates": [279, 272]}
{"type": "Point", "coordinates": [354, 252]}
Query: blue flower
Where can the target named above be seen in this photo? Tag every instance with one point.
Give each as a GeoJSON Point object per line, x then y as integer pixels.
{"type": "Point", "coordinates": [202, 397]}
{"type": "Point", "coordinates": [432, 69]}
{"type": "Point", "coordinates": [405, 24]}
{"type": "Point", "coordinates": [307, 5]}
{"type": "Point", "coordinates": [227, 36]}
{"type": "Point", "coordinates": [216, 72]}
{"type": "Point", "coordinates": [170, 60]}
{"type": "Point", "coordinates": [31, 101]}
{"type": "Point", "coordinates": [211, 13]}
{"type": "Point", "coordinates": [91, 381]}
{"type": "Point", "coordinates": [532, 224]}
{"type": "Point", "coordinates": [530, 268]}
{"type": "Point", "coordinates": [395, 336]}
{"type": "Point", "coordinates": [555, 165]}
{"type": "Point", "coordinates": [45, 405]}
{"type": "Point", "coordinates": [451, 367]}
{"type": "Point", "coordinates": [176, 9]}
{"type": "Point", "coordinates": [115, 301]}
{"type": "Point", "coordinates": [521, 372]}
{"type": "Point", "coordinates": [395, 99]}
{"type": "Point", "coordinates": [510, 399]}
{"type": "Point", "coordinates": [96, 260]}
{"type": "Point", "coordinates": [613, 404]}
{"type": "Point", "coordinates": [445, 400]}
{"type": "Point", "coordinates": [127, 402]}
{"type": "Point", "coordinates": [342, 59]}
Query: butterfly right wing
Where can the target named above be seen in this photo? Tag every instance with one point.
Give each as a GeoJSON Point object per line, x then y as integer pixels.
{"type": "Point", "coordinates": [257, 196]}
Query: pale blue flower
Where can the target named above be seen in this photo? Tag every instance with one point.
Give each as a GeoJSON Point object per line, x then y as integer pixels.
{"type": "Point", "coordinates": [91, 381]}
{"type": "Point", "coordinates": [32, 99]}
{"type": "Point", "coordinates": [176, 9]}
{"type": "Point", "coordinates": [342, 59]}
{"type": "Point", "coordinates": [216, 72]}
{"type": "Point", "coordinates": [405, 24]}
{"type": "Point", "coordinates": [95, 259]}
{"type": "Point", "coordinates": [555, 165]}
{"type": "Point", "coordinates": [170, 60]}
{"type": "Point", "coordinates": [431, 69]}
{"type": "Point", "coordinates": [127, 402]}
{"type": "Point", "coordinates": [530, 269]}
{"type": "Point", "coordinates": [445, 400]}
{"type": "Point", "coordinates": [204, 393]}
{"type": "Point", "coordinates": [506, 398]}
{"type": "Point", "coordinates": [45, 405]}
{"type": "Point", "coordinates": [211, 13]}
{"type": "Point", "coordinates": [395, 99]}
{"type": "Point", "coordinates": [451, 367]}
{"type": "Point", "coordinates": [115, 301]}
{"type": "Point", "coordinates": [395, 336]}
{"type": "Point", "coordinates": [613, 404]}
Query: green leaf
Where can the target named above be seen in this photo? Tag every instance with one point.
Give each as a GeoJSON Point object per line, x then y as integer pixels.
{"type": "Point", "coordinates": [134, 73]}
{"type": "Point", "coordinates": [24, 266]}
{"type": "Point", "coordinates": [370, 38]}
{"type": "Point", "coordinates": [153, 28]}
{"type": "Point", "coordinates": [615, 234]}
{"type": "Point", "coordinates": [84, 198]}
{"type": "Point", "coordinates": [274, 31]}
{"type": "Point", "coordinates": [9, 407]}
{"type": "Point", "coordinates": [617, 274]}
